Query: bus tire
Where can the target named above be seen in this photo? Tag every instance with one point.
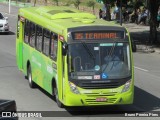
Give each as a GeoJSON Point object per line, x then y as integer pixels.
{"type": "Point", "coordinates": [29, 76]}
{"type": "Point", "coordinates": [60, 105]}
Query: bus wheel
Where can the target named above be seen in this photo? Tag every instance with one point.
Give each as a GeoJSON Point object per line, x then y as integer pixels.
{"type": "Point", "coordinates": [56, 98]}
{"type": "Point", "coordinates": [29, 76]}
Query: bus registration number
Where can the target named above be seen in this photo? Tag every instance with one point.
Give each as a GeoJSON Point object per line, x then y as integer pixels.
{"type": "Point", "coordinates": [101, 99]}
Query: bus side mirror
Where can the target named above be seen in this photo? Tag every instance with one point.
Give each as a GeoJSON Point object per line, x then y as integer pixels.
{"type": "Point", "coordinates": [134, 48]}
{"type": "Point", "coordinates": [64, 48]}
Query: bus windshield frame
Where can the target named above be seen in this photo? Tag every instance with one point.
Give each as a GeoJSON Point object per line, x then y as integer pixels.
{"type": "Point", "coordinates": [87, 60]}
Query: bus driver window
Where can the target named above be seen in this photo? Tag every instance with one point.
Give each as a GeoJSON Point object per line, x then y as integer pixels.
{"type": "Point", "coordinates": [54, 43]}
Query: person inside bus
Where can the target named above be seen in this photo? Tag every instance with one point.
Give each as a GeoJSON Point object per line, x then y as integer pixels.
{"type": "Point", "coordinates": [53, 46]}
{"type": "Point", "coordinates": [115, 65]}
{"type": "Point", "coordinates": [110, 62]}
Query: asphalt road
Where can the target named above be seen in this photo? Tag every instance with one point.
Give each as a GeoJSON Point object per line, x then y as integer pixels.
{"type": "Point", "coordinates": [13, 84]}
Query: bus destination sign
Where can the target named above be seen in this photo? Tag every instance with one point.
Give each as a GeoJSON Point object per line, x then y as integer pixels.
{"type": "Point", "coordinates": [98, 35]}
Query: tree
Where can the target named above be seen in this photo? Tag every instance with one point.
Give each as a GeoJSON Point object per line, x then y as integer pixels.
{"type": "Point", "coordinates": [24, 2]}
{"type": "Point", "coordinates": [68, 3]}
{"type": "Point", "coordinates": [153, 8]}
{"type": "Point", "coordinates": [91, 4]}
{"type": "Point", "coordinates": [138, 4]}
{"type": "Point", "coordinates": [77, 3]}
{"type": "Point", "coordinates": [107, 4]}
{"type": "Point", "coordinates": [16, 1]}
{"type": "Point", "coordinates": [56, 1]}
{"type": "Point", "coordinates": [35, 1]}
{"type": "Point", "coordinates": [46, 1]}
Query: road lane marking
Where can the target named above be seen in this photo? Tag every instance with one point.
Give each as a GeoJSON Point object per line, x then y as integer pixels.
{"type": "Point", "coordinates": [141, 69]}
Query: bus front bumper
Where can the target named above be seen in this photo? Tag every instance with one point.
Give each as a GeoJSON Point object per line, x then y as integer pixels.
{"type": "Point", "coordinates": [91, 100]}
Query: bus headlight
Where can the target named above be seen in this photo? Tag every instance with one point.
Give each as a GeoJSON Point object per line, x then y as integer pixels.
{"type": "Point", "coordinates": [74, 88]}
{"type": "Point", "coordinates": [126, 86]}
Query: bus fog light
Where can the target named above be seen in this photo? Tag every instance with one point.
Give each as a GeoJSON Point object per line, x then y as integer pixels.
{"type": "Point", "coordinates": [126, 86]}
{"type": "Point", "coordinates": [74, 88]}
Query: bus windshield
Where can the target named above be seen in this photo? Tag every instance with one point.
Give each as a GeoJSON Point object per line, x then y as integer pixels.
{"type": "Point", "coordinates": [99, 60]}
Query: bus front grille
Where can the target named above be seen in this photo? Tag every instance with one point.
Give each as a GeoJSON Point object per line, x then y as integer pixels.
{"type": "Point", "coordinates": [86, 85]}
{"type": "Point", "coordinates": [100, 94]}
{"type": "Point", "coordinates": [94, 102]}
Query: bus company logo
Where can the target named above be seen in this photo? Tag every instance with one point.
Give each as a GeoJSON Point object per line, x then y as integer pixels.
{"type": "Point", "coordinates": [49, 69]}
{"type": "Point", "coordinates": [6, 114]}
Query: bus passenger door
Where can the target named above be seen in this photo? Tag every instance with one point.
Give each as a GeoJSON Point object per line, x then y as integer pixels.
{"type": "Point", "coordinates": [60, 68]}
{"type": "Point", "coordinates": [62, 51]}
{"type": "Point", "coordinates": [19, 42]}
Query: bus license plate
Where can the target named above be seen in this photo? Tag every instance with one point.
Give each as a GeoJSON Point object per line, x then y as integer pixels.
{"type": "Point", "coordinates": [101, 99]}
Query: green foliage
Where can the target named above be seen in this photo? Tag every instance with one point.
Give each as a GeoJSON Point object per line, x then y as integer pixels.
{"type": "Point", "coordinates": [16, 1]}
{"type": "Point", "coordinates": [91, 3]}
{"type": "Point", "coordinates": [56, 1]}
{"type": "Point", "coordinates": [76, 3]}
{"type": "Point", "coordinates": [24, 2]}
{"type": "Point", "coordinates": [138, 4]}
{"type": "Point", "coordinates": [111, 2]}
{"type": "Point", "coordinates": [68, 2]}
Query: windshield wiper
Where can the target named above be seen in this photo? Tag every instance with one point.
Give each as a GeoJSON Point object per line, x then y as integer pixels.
{"type": "Point", "coordinates": [88, 50]}
{"type": "Point", "coordinates": [110, 54]}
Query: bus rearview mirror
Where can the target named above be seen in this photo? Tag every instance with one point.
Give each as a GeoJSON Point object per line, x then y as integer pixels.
{"type": "Point", "coordinates": [64, 48]}
{"type": "Point", "coordinates": [134, 48]}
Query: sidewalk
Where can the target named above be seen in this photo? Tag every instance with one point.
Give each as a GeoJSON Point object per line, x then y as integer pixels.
{"type": "Point", "coordinates": [140, 35]}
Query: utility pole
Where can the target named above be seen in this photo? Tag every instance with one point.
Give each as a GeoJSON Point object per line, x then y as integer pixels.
{"type": "Point", "coordinates": [9, 6]}
{"type": "Point", "coordinates": [121, 12]}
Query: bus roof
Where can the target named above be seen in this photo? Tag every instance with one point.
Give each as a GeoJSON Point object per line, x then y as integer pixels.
{"type": "Point", "coordinates": [61, 18]}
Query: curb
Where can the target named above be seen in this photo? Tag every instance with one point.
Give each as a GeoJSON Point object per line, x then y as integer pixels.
{"type": "Point", "coordinates": [157, 50]}
{"type": "Point", "coordinates": [147, 49]}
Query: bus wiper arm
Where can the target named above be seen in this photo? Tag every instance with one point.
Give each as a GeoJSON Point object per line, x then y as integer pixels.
{"type": "Point", "coordinates": [88, 50]}
{"type": "Point", "coordinates": [111, 55]}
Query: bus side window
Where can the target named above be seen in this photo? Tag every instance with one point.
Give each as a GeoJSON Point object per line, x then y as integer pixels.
{"type": "Point", "coordinates": [18, 26]}
{"type": "Point", "coordinates": [39, 34]}
{"type": "Point", "coordinates": [32, 34]}
{"type": "Point", "coordinates": [54, 46]}
{"type": "Point", "coordinates": [46, 42]}
{"type": "Point", "coordinates": [26, 31]}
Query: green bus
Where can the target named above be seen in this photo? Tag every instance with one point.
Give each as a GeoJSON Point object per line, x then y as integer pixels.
{"type": "Point", "coordinates": [79, 59]}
